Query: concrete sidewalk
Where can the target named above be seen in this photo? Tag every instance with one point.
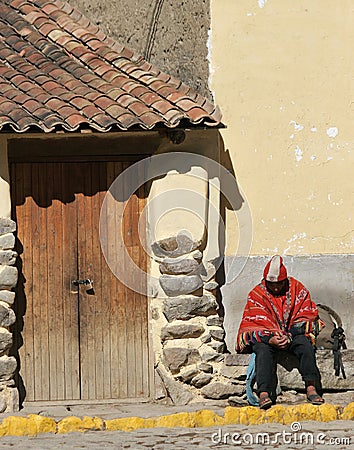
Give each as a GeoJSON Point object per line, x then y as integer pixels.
{"type": "Point", "coordinates": [297, 436]}
{"type": "Point", "coordinates": [36, 419]}
{"type": "Point", "coordinates": [120, 408]}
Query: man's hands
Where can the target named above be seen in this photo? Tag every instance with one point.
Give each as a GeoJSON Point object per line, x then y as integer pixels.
{"type": "Point", "coordinates": [281, 342]}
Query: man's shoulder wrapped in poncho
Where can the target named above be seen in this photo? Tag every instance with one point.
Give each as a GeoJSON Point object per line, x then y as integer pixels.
{"type": "Point", "coordinates": [265, 316]}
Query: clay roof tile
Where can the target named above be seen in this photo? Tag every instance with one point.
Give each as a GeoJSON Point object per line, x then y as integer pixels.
{"type": "Point", "coordinates": [196, 114]}
{"type": "Point", "coordinates": [66, 111]}
{"type": "Point", "coordinates": [115, 110]}
{"type": "Point", "coordinates": [150, 119]}
{"type": "Point", "coordinates": [75, 120]}
{"type": "Point", "coordinates": [59, 70]}
{"type": "Point", "coordinates": [104, 102]}
{"type": "Point", "coordinates": [43, 113]}
{"type": "Point", "coordinates": [125, 100]}
{"type": "Point", "coordinates": [161, 106]}
{"type": "Point", "coordinates": [25, 123]}
{"type": "Point", "coordinates": [128, 120]}
{"type": "Point", "coordinates": [79, 102]}
{"type": "Point", "coordinates": [90, 110]}
{"type": "Point", "coordinates": [31, 105]}
{"type": "Point", "coordinates": [104, 121]}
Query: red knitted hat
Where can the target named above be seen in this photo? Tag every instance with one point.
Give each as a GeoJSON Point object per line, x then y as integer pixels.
{"type": "Point", "coordinates": [275, 270]}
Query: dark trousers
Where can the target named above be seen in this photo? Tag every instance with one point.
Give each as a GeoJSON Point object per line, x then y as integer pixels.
{"type": "Point", "coordinates": [265, 354]}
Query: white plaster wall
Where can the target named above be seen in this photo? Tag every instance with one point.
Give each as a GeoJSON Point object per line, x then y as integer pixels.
{"type": "Point", "coordinates": [178, 203]}
{"type": "Point", "coordinates": [186, 198]}
{"type": "Point", "coordinates": [5, 198]}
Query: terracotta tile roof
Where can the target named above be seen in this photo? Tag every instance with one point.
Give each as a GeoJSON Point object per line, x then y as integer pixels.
{"type": "Point", "coordinates": [59, 71]}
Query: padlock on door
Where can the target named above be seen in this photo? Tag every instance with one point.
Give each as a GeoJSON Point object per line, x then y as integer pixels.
{"type": "Point", "coordinates": [89, 287]}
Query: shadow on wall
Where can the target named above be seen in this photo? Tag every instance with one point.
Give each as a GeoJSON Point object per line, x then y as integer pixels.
{"type": "Point", "coordinates": [238, 201]}
{"type": "Point", "coordinates": [221, 174]}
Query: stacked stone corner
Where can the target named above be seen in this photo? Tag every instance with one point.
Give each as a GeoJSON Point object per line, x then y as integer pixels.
{"type": "Point", "coordinates": [9, 398]}
{"type": "Point", "coordinates": [191, 333]}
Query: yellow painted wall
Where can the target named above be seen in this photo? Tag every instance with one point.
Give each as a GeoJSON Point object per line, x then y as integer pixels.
{"type": "Point", "coordinates": [283, 75]}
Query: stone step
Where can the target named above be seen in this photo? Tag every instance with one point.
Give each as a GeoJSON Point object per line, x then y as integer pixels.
{"type": "Point", "coordinates": [291, 379]}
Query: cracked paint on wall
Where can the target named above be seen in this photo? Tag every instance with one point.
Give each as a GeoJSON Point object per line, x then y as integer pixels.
{"type": "Point", "coordinates": [261, 3]}
{"type": "Point", "coordinates": [297, 126]}
{"type": "Point", "coordinates": [298, 153]}
{"type": "Point", "coordinates": [332, 132]}
{"type": "Point", "coordinates": [295, 246]}
{"type": "Point", "coordinates": [210, 61]}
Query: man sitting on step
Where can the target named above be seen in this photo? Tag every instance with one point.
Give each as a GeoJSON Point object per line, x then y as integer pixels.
{"type": "Point", "coordinates": [280, 316]}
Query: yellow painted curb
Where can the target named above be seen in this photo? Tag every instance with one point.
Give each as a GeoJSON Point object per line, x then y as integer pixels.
{"type": "Point", "coordinates": [275, 414]}
{"type": "Point", "coordinates": [72, 423]}
{"type": "Point", "coordinates": [299, 413]}
{"type": "Point", "coordinates": [348, 412]}
{"type": "Point", "coordinates": [182, 419]}
{"type": "Point", "coordinates": [231, 415]}
{"type": "Point", "coordinates": [125, 424]}
{"type": "Point", "coordinates": [27, 426]}
{"type": "Point", "coordinates": [247, 415]}
{"type": "Point", "coordinates": [206, 418]}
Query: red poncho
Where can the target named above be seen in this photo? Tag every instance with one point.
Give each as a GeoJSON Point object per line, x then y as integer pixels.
{"type": "Point", "coordinates": [266, 314]}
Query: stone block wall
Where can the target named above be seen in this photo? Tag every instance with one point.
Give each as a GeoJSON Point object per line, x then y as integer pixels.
{"type": "Point", "coordinates": [9, 400]}
{"type": "Point", "coordinates": [191, 331]}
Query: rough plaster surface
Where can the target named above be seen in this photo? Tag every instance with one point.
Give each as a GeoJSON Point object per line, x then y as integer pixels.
{"type": "Point", "coordinates": [172, 34]}
{"type": "Point", "coordinates": [281, 76]}
{"type": "Point", "coordinates": [5, 198]}
{"type": "Point", "coordinates": [329, 279]}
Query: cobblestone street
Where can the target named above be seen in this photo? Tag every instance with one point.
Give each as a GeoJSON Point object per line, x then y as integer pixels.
{"type": "Point", "coordinates": [304, 436]}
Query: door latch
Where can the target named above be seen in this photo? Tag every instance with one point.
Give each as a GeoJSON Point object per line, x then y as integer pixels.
{"type": "Point", "coordinates": [87, 283]}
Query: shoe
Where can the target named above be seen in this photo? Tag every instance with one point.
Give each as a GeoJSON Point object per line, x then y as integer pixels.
{"type": "Point", "coordinates": [315, 399]}
{"type": "Point", "coordinates": [265, 402]}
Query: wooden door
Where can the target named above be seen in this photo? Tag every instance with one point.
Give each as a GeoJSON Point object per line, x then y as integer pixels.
{"type": "Point", "coordinates": [75, 344]}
